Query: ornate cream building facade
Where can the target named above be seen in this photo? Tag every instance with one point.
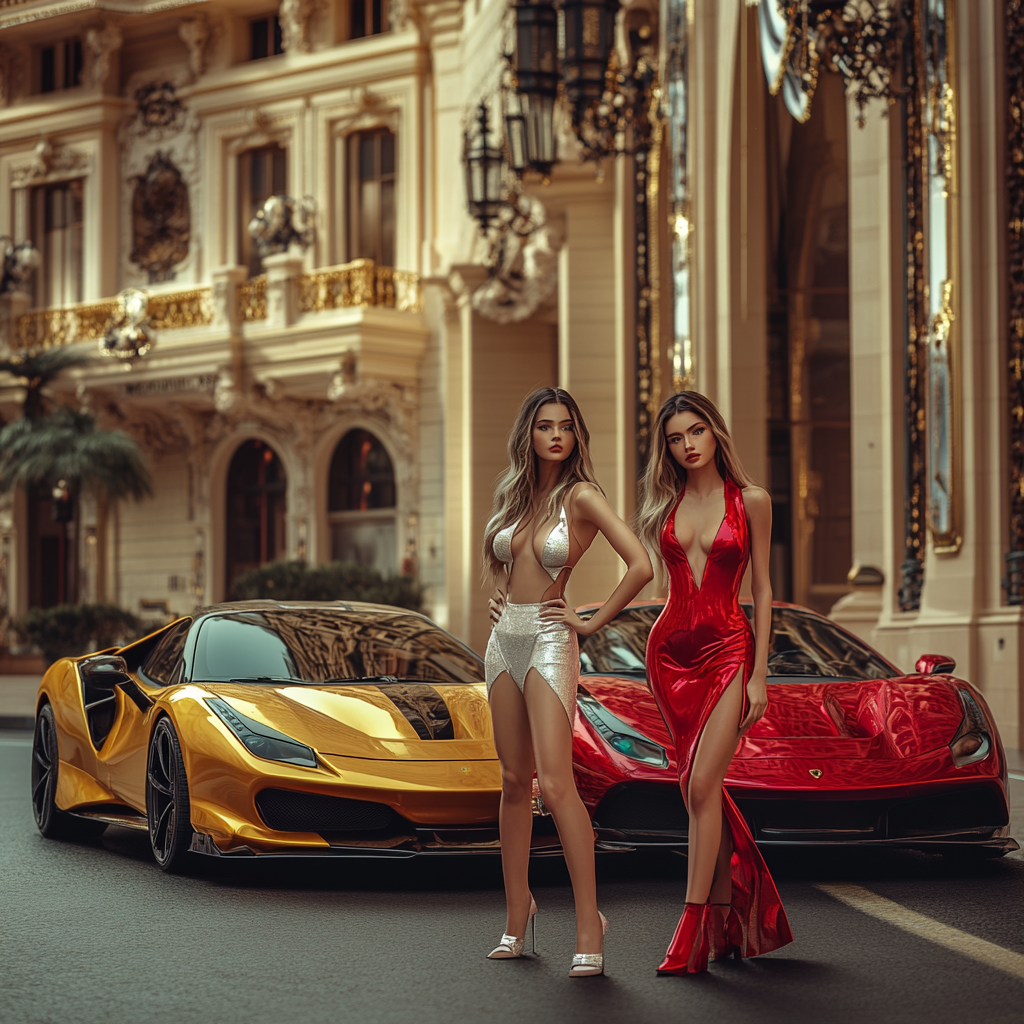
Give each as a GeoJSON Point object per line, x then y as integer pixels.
{"type": "Point", "coordinates": [835, 269]}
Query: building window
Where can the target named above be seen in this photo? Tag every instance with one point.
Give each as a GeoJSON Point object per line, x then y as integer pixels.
{"type": "Point", "coordinates": [255, 527]}
{"type": "Point", "coordinates": [265, 37]}
{"type": "Point", "coordinates": [368, 18]}
{"type": "Point", "coordinates": [372, 199]}
{"type": "Point", "coordinates": [56, 229]}
{"type": "Point", "coordinates": [361, 503]}
{"type": "Point", "coordinates": [60, 65]}
{"type": "Point", "coordinates": [262, 173]}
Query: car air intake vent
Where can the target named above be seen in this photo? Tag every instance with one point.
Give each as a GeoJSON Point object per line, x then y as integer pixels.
{"type": "Point", "coordinates": [423, 707]}
{"type": "Point", "coordinates": [975, 807]}
{"type": "Point", "coordinates": [643, 807]}
{"type": "Point", "coordinates": [286, 810]}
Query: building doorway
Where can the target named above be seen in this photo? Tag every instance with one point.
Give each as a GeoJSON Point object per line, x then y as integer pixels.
{"type": "Point", "coordinates": [51, 535]}
{"type": "Point", "coordinates": [255, 527]}
{"type": "Point", "coordinates": [361, 503]}
{"type": "Point", "coordinates": [809, 348]}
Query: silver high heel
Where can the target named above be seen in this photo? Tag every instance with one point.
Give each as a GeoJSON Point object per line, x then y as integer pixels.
{"type": "Point", "coordinates": [510, 947]}
{"type": "Point", "coordinates": [586, 965]}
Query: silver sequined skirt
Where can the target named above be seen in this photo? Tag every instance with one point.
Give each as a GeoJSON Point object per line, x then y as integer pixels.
{"type": "Point", "coordinates": [521, 641]}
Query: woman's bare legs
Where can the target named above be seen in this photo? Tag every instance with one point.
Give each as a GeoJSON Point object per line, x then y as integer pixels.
{"type": "Point", "coordinates": [708, 855]}
{"type": "Point", "coordinates": [515, 817]}
{"type": "Point", "coordinates": [552, 751]}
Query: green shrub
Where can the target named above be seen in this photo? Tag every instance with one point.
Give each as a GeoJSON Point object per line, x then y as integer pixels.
{"type": "Point", "coordinates": [331, 581]}
{"type": "Point", "coordinates": [69, 630]}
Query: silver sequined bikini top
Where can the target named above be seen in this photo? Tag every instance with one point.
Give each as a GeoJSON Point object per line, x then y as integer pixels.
{"type": "Point", "coordinates": [555, 554]}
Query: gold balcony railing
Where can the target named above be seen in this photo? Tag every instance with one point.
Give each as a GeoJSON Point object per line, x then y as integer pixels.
{"type": "Point", "coordinates": [252, 299]}
{"type": "Point", "coordinates": [49, 328]}
{"type": "Point", "coordinates": [360, 283]}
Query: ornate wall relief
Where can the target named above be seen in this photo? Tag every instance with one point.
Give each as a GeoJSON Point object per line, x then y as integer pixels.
{"type": "Point", "coordinates": [160, 171]}
{"type": "Point", "coordinates": [523, 268]}
{"type": "Point", "coordinates": [161, 219]}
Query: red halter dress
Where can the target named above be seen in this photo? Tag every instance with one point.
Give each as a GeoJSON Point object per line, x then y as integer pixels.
{"type": "Point", "coordinates": [695, 648]}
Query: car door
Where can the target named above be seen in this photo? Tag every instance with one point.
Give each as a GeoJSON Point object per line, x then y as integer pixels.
{"type": "Point", "coordinates": [123, 755]}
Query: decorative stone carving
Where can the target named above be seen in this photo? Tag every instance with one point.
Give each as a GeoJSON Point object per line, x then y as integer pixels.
{"type": "Point", "coordinates": [294, 16]}
{"type": "Point", "coordinates": [524, 270]}
{"type": "Point", "coordinates": [159, 109]}
{"type": "Point", "coordinates": [128, 335]}
{"type": "Point", "coordinates": [161, 219]}
{"type": "Point", "coordinates": [100, 42]}
{"type": "Point", "coordinates": [281, 222]}
{"type": "Point", "coordinates": [160, 175]}
{"type": "Point", "coordinates": [345, 379]}
{"type": "Point", "coordinates": [49, 161]}
{"type": "Point", "coordinates": [195, 34]}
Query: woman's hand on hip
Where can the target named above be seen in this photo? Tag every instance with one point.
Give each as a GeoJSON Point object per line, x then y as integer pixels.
{"type": "Point", "coordinates": [757, 694]}
{"type": "Point", "coordinates": [556, 610]}
{"type": "Point", "coordinates": [495, 606]}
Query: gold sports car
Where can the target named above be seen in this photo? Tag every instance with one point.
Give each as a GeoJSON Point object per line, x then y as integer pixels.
{"type": "Point", "coordinates": [261, 729]}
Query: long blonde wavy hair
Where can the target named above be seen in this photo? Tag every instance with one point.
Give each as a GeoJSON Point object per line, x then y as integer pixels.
{"type": "Point", "coordinates": [664, 478]}
{"type": "Point", "coordinates": [515, 495]}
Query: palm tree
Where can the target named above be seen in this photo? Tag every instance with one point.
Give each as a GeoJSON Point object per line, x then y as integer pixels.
{"type": "Point", "coordinates": [65, 449]}
{"type": "Point", "coordinates": [66, 445]}
{"type": "Point", "coordinates": [37, 369]}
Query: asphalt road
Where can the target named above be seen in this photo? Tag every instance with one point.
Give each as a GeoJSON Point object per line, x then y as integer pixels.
{"type": "Point", "coordinates": [94, 932]}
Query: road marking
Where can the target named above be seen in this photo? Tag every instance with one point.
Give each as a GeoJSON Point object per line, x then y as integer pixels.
{"type": "Point", "coordinates": [887, 910]}
{"type": "Point", "coordinates": [1019, 778]}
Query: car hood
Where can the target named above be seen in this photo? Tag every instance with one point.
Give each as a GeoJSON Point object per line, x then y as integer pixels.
{"type": "Point", "coordinates": [880, 718]}
{"type": "Point", "coordinates": [387, 721]}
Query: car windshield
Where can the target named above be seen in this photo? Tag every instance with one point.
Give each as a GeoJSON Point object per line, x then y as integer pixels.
{"type": "Point", "coordinates": [803, 645]}
{"type": "Point", "coordinates": [319, 645]}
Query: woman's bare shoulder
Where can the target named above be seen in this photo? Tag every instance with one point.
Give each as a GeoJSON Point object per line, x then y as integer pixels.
{"type": "Point", "coordinates": [756, 500]}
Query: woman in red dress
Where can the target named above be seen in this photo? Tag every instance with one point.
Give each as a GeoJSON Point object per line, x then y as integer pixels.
{"type": "Point", "coordinates": [706, 521]}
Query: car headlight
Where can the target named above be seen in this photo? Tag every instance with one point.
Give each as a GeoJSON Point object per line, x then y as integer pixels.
{"type": "Point", "coordinates": [972, 741]}
{"type": "Point", "coordinates": [620, 736]}
{"type": "Point", "coordinates": [260, 739]}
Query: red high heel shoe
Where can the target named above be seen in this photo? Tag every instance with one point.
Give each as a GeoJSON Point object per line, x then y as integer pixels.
{"type": "Point", "coordinates": [725, 932]}
{"type": "Point", "coordinates": [688, 951]}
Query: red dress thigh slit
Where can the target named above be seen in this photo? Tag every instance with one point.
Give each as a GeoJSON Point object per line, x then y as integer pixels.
{"type": "Point", "coordinates": [695, 649]}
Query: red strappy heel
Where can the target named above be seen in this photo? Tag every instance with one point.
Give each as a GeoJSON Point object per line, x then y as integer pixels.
{"type": "Point", "coordinates": [688, 951]}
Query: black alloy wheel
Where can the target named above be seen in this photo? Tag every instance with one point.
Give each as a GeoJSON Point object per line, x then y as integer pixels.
{"type": "Point", "coordinates": [167, 805]}
{"type": "Point", "coordinates": [51, 821]}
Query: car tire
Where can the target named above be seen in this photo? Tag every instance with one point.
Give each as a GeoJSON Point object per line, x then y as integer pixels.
{"type": "Point", "coordinates": [51, 821]}
{"type": "Point", "coordinates": [168, 810]}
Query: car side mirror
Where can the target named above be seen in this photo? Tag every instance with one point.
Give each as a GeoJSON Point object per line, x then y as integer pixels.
{"type": "Point", "coordinates": [103, 672]}
{"type": "Point", "coordinates": [934, 664]}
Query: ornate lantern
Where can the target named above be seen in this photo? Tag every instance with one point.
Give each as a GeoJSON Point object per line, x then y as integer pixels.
{"type": "Point", "coordinates": [483, 172]}
{"type": "Point", "coordinates": [588, 36]}
{"type": "Point", "coordinates": [530, 115]}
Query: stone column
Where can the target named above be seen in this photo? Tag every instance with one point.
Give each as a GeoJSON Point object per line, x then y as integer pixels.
{"type": "Point", "coordinates": [874, 352]}
{"type": "Point", "coordinates": [226, 282]}
{"type": "Point", "coordinates": [12, 306]}
{"type": "Point", "coordinates": [283, 270]}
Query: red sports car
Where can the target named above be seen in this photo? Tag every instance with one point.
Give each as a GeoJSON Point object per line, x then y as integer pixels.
{"type": "Point", "coordinates": [850, 751]}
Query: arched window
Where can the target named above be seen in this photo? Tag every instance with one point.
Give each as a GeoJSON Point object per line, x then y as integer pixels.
{"type": "Point", "coordinates": [361, 503]}
{"type": "Point", "coordinates": [255, 527]}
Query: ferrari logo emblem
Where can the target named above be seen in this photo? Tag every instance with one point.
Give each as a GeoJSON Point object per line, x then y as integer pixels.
{"type": "Point", "coordinates": [815, 773]}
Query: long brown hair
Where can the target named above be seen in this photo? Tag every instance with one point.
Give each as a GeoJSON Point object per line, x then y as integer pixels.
{"type": "Point", "coordinates": [516, 491]}
{"type": "Point", "coordinates": [664, 478]}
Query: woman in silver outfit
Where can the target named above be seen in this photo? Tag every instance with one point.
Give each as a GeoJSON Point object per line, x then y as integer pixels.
{"type": "Point", "coordinates": [548, 509]}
